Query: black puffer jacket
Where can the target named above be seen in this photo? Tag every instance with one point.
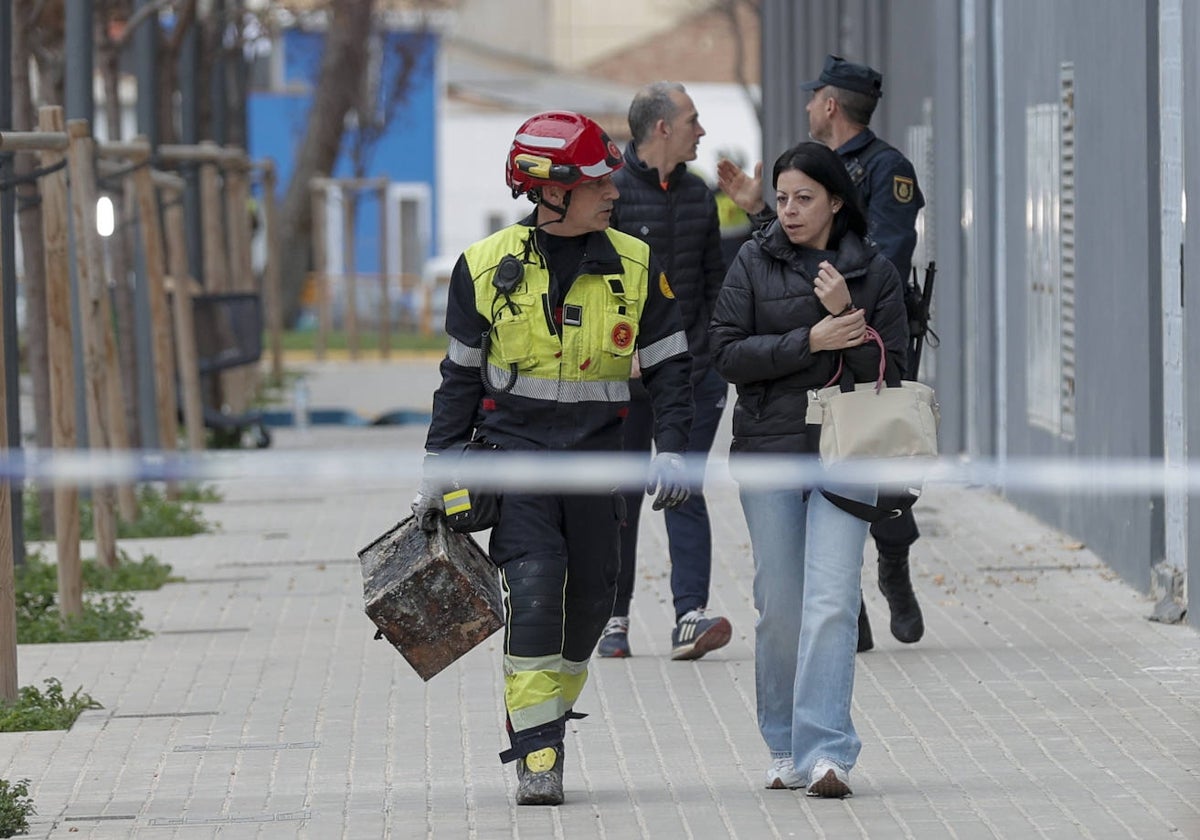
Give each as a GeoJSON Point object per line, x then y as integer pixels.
{"type": "Point", "coordinates": [680, 225]}
{"type": "Point", "coordinates": [759, 334]}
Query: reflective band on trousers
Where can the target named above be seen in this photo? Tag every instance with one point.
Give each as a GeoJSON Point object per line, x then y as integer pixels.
{"type": "Point", "coordinates": [556, 390]}
{"type": "Point", "coordinates": [538, 690]}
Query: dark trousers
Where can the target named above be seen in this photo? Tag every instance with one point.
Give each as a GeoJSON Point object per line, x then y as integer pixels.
{"type": "Point", "coordinates": [560, 557]}
{"type": "Point", "coordinates": [689, 535]}
{"type": "Point", "coordinates": [894, 537]}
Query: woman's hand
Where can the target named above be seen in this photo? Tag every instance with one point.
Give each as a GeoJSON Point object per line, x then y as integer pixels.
{"type": "Point", "coordinates": [831, 289]}
{"type": "Point", "coordinates": [838, 332]}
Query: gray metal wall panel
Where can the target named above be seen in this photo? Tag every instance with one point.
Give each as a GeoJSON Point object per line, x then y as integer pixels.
{"type": "Point", "coordinates": [781, 103]}
{"type": "Point", "coordinates": [1115, 389]}
{"type": "Point", "coordinates": [914, 43]}
{"type": "Point", "coordinates": [925, 48]}
{"type": "Point", "coordinates": [1191, 293]}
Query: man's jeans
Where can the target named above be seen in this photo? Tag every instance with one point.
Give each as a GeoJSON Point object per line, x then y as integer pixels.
{"type": "Point", "coordinates": [807, 590]}
{"type": "Point", "coordinates": [689, 535]}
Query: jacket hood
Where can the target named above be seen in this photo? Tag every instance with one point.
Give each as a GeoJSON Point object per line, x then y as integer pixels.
{"type": "Point", "coordinates": [639, 167]}
{"type": "Point", "coordinates": [854, 253]}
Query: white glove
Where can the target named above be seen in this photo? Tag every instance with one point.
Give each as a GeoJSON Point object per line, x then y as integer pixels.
{"type": "Point", "coordinates": [668, 478]}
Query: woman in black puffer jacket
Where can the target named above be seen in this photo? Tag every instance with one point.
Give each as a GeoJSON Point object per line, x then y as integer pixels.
{"type": "Point", "coordinates": [798, 298]}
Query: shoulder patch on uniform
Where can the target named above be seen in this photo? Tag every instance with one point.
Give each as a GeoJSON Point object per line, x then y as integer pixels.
{"type": "Point", "coordinates": [665, 287]}
{"type": "Point", "coordinates": [902, 189]}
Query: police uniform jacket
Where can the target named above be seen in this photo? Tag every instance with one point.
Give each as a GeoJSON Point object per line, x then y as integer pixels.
{"type": "Point", "coordinates": [887, 185]}
{"type": "Point", "coordinates": [760, 332]}
{"type": "Point", "coordinates": [556, 353]}
{"type": "Point", "coordinates": [680, 224]}
{"type": "Point", "coordinates": [890, 194]}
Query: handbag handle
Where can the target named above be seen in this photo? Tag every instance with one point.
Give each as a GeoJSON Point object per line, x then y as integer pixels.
{"type": "Point", "coordinates": [874, 336]}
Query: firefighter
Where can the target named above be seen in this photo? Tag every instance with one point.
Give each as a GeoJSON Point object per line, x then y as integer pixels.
{"type": "Point", "coordinates": [544, 318]}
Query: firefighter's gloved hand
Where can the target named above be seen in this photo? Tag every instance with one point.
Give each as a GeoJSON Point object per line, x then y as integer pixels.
{"type": "Point", "coordinates": [427, 506]}
{"type": "Point", "coordinates": [668, 478]}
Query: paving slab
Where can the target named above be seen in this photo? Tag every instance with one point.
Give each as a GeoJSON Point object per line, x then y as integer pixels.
{"type": "Point", "coordinates": [1041, 702]}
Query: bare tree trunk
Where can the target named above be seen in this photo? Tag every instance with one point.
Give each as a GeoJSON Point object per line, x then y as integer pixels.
{"type": "Point", "coordinates": [168, 71]}
{"type": "Point", "coordinates": [119, 246]}
{"type": "Point", "coordinates": [30, 216]}
{"type": "Point", "coordinates": [236, 78]}
{"type": "Point", "coordinates": [343, 67]}
{"type": "Point", "coordinates": [734, 11]}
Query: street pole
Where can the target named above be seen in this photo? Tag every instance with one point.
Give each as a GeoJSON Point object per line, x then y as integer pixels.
{"type": "Point", "coordinates": [12, 539]}
{"type": "Point", "coordinates": [145, 49]}
{"type": "Point", "coordinates": [79, 104]}
{"type": "Point", "coordinates": [8, 293]}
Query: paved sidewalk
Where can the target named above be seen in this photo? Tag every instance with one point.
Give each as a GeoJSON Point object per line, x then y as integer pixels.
{"type": "Point", "coordinates": [1041, 702]}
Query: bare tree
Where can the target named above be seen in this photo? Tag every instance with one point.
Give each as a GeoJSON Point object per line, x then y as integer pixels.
{"type": "Point", "coordinates": [735, 12]}
{"type": "Point", "coordinates": [113, 28]}
{"type": "Point", "coordinates": [28, 22]}
{"type": "Point", "coordinates": [338, 91]}
{"type": "Point", "coordinates": [169, 49]}
{"type": "Point", "coordinates": [401, 60]}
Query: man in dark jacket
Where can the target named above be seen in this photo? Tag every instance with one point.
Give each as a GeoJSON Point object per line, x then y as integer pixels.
{"type": "Point", "coordinates": [674, 212]}
{"type": "Point", "coordinates": [843, 100]}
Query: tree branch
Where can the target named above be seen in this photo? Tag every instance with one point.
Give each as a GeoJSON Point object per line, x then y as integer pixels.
{"type": "Point", "coordinates": [138, 18]}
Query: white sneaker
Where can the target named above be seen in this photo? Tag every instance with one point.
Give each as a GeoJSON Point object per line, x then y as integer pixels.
{"type": "Point", "coordinates": [783, 775]}
{"type": "Point", "coordinates": [828, 781]}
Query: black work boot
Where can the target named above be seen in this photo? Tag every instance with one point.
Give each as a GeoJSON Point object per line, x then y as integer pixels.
{"type": "Point", "coordinates": [865, 640]}
{"type": "Point", "coordinates": [540, 777]}
{"type": "Point", "coordinates": [907, 624]}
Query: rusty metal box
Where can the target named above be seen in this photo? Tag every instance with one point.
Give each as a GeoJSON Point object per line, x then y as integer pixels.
{"type": "Point", "coordinates": [434, 596]}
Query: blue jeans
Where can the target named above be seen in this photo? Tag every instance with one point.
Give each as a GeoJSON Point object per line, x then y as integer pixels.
{"type": "Point", "coordinates": [807, 590]}
{"type": "Point", "coordinates": [689, 535]}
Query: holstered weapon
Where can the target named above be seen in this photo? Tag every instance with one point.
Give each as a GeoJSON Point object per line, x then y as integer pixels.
{"type": "Point", "coordinates": [917, 300]}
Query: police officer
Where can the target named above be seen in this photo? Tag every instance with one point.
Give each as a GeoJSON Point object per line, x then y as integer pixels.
{"type": "Point", "coordinates": [843, 99]}
{"type": "Point", "coordinates": [544, 318]}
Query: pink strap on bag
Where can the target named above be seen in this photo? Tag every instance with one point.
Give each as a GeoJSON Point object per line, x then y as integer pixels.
{"type": "Point", "coordinates": [872, 335]}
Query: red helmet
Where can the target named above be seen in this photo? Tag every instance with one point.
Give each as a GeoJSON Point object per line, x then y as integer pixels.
{"type": "Point", "coordinates": [560, 147]}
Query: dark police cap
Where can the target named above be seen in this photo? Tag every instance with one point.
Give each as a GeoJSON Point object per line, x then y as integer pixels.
{"type": "Point", "coordinates": [847, 75]}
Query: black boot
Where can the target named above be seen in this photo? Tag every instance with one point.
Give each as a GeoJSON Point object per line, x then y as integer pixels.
{"type": "Point", "coordinates": [907, 624]}
{"type": "Point", "coordinates": [865, 640]}
{"type": "Point", "coordinates": [540, 777]}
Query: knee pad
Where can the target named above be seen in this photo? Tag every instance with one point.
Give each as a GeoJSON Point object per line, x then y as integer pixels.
{"type": "Point", "coordinates": [534, 589]}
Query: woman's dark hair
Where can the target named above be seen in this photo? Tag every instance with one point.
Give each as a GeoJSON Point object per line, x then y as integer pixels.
{"type": "Point", "coordinates": [823, 165]}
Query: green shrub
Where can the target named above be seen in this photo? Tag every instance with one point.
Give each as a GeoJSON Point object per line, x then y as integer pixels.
{"type": "Point", "coordinates": [15, 808]}
{"type": "Point", "coordinates": [368, 341]}
{"type": "Point", "coordinates": [158, 516]}
{"type": "Point", "coordinates": [147, 573]}
{"type": "Point", "coordinates": [35, 711]}
{"type": "Point", "coordinates": [198, 493]}
{"type": "Point", "coordinates": [104, 618]}
{"type": "Point", "coordinates": [129, 575]}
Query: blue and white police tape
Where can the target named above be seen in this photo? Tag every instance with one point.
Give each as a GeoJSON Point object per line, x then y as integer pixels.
{"type": "Point", "coordinates": [581, 472]}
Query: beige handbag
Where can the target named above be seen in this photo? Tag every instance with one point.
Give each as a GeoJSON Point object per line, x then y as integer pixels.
{"type": "Point", "coordinates": [874, 420]}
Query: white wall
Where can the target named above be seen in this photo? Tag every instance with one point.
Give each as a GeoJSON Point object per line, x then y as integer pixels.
{"type": "Point", "coordinates": [730, 123]}
{"type": "Point", "coordinates": [471, 175]}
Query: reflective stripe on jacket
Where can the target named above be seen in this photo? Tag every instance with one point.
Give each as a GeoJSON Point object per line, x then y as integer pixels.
{"type": "Point", "coordinates": [600, 316]}
{"type": "Point", "coordinates": [570, 392]}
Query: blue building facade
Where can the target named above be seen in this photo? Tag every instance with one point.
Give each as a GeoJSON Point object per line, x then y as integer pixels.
{"type": "Point", "coordinates": [405, 152]}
